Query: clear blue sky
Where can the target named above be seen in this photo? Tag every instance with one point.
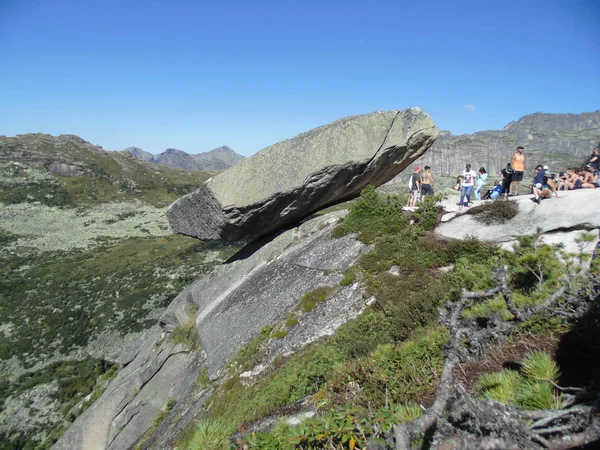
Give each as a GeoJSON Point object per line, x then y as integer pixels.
{"type": "Point", "coordinates": [195, 75]}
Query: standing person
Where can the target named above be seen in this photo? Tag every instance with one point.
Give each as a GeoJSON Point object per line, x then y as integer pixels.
{"type": "Point", "coordinates": [482, 177]}
{"type": "Point", "coordinates": [594, 159]}
{"type": "Point", "coordinates": [427, 183]}
{"type": "Point", "coordinates": [507, 174]}
{"type": "Point", "coordinates": [415, 189]}
{"type": "Point", "coordinates": [518, 166]}
{"type": "Point", "coordinates": [468, 183]}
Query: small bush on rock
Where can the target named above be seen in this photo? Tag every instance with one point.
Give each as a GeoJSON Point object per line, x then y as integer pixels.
{"type": "Point", "coordinates": [532, 387]}
{"type": "Point", "coordinates": [495, 213]}
{"type": "Point", "coordinates": [372, 216]}
{"type": "Point", "coordinates": [210, 435]}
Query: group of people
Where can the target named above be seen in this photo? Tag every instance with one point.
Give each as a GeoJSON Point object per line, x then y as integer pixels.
{"type": "Point", "coordinates": [420, 186]}
{"type": "Point", "coordinates": [544, 185]}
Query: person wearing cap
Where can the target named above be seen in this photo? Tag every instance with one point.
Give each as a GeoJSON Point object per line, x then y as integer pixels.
{"type": "Point", "coordinates": [427, 182]}
{"type": "Point", "coordinates": [415, 188]}
{"type": "Point", "coordinates": [518, 165]}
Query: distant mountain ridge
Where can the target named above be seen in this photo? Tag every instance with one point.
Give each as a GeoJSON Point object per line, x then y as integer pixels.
{"type": "Point", "coordinates": [218, 159]}
{"type": "Point", "coordinates": [558, 140]}
{"type": "Point", "coordinates": [69, 171]}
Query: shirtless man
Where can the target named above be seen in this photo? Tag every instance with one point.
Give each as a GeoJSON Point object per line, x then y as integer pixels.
{"type": "Point", "coordinates": [590, 176]}
{"type": "Point", "coordinates": [577, 182]}
{"type": "Point", "coordinates": [426, 183]}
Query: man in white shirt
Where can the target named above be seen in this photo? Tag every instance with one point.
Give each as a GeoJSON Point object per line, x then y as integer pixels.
{"type": "Point", "coordinates": [468, 183]}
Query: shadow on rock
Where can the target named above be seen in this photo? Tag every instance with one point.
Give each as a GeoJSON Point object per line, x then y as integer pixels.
{"type": "Point", "coordinates": [578, 352]}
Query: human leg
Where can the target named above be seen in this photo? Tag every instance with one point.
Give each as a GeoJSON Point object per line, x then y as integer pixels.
{"type": "Point", "coordinates": [468, 194]}
{"type": "Point", "coordinates": [463, 193]}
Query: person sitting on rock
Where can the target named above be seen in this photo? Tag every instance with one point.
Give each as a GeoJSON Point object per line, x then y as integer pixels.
{"type": "Point", "coordinates": [562, 183]}
{"type": "Point", "coordinates": [589, 176]}
{"type": "Point", "coordinates": [538, 177]}
{"type": "Point", "coordinates": [493, 193]}
{"type": "Point", "coordinates": [545, 189]}
{"type": "Point", "coordinates": [482, 177]}
{"type": "Point", "coordinates": [594, 175]}
{"type": "Point", "coordinates": [576, 181]}
{"type": "Point", "coordinates": [427, 183]}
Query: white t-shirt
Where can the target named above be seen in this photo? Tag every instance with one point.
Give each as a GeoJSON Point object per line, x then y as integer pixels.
{"type": "Point", "coordinates": [469, 178]}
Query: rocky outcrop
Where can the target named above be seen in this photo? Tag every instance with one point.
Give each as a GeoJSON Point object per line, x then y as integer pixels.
{"type": "Point", "coordinates": [236, 300]}
{"type": "Point", "coordinates": [556, 140]}
{"type": "Point", "coordinates": [291, 179]}
{"type": "Point", "coordinates": [232, 303]}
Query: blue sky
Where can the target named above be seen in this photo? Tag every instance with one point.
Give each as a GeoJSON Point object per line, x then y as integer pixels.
{"type": "Point", "coordinates": [195, 75]}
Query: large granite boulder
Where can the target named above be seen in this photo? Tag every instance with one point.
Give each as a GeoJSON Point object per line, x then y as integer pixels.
{"type": "Point", "coordinates": [293, 178]}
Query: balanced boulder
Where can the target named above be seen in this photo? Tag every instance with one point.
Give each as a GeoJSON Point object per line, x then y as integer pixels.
{"type": "Point", "coordinates": [290, 180]}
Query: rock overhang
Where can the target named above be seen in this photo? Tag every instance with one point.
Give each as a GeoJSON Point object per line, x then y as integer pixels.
{"type": "Point", "coordinates": [290, 180]}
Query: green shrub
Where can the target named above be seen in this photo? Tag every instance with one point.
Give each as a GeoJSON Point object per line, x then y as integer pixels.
{"type": "Point", "coordinates": [210, 435]}
{"type": "Point", "coordinates": [312, 299]}
{"type": "Point", "coordinates": [187, 333]}
{"type": "Point", "coordinates": [251, 354]}
{"type": "Point", "coordinates": [280, 334]}
{"type": "Point", "coordinates": [372, 215]}
{"type": "Point", "coordinates": [347, 427]}
{"type": "Point", "coordinates": [532, 387]}
{"type": "Point", "coordinates": [406, 372]}
{"type": "Point", "coordinates": [291, 321]}
{"type": "Point", "coordinates": [496, 212]}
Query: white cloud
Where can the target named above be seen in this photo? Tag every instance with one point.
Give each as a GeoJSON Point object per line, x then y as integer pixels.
{"type": "Point", "coordinates": [469, 107]}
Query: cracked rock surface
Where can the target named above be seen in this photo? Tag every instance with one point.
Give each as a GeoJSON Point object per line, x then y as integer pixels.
{"type": "Point", "coordinates": [237, 299]}
{"type": "Point", "coordinates": [141, 389]}
{"type": "Point", "coordinates": [288, 181]}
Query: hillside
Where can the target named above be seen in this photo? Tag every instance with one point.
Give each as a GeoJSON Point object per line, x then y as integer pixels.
{"type": "Point", "coordinates": [89, 263]}
{"type": "Point", "coordinates": [325, 334]}
{"type": "Point", "coordinates": [220, 158]}
{"type": "Point", "coordinates": [69, 171]}
{"type": "Point", "coordinates": [353, 343]}
{"type": "Point", "coordinates": [556, 140]}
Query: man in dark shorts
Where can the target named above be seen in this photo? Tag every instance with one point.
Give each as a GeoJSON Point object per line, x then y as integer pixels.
{"type": "Point", "coordinates": [426, 182]}
{"type": "Point", "coordinates": [518, 167]}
